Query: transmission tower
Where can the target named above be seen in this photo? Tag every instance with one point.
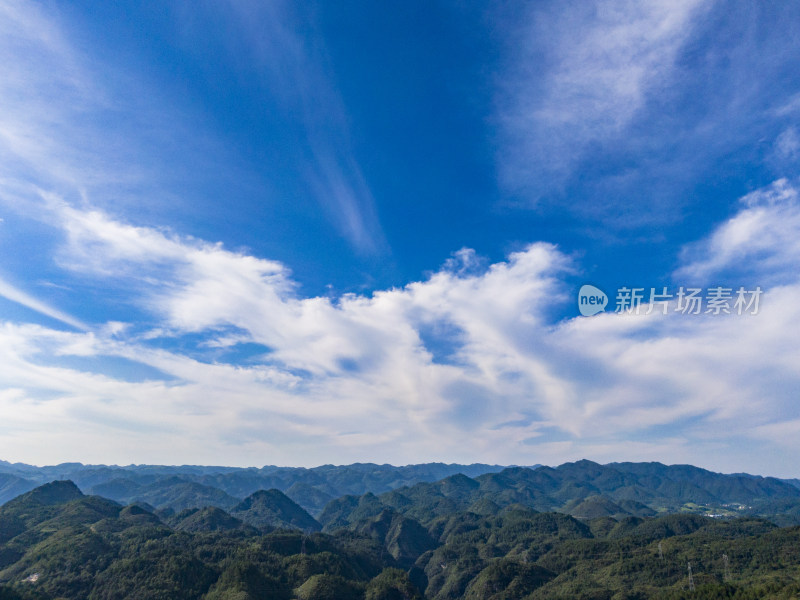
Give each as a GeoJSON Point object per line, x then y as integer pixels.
{"type": "Point", "coordinates": [691, 579]}
{"type": "Point", "coordinates": [660, 553]}
{"type": "Point", "coordinates": [727, 576]}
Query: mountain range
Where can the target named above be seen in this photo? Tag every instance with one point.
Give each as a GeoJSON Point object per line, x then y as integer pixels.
{"type": "Point", "coordinates": [459, 537]}
{"type": "Point", "coordinates": [180, 487]}
{"type": "Point", "coordinates": [336, 496]}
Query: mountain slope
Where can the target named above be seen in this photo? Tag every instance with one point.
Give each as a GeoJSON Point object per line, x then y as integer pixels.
{"type": "Point", "coordinates": [173, 493]}
{"type": "Point", "coordinates": [206, 519]}
{"type": "Point", "coordinates": [272, 509]}
{"type": "Point", "coordinates": [12, 486]}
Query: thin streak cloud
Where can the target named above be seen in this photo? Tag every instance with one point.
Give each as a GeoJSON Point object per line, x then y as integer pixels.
{"type": "Point", "coordinates": [298, 73]}
{"type": "Point", "coordinates": [14, 294]}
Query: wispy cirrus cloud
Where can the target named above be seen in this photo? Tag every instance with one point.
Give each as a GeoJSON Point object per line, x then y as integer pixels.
{"type": "Point", "coordinates": [298, 74]}
{"type": "Point", "coordinates": [17, 295]}
{"type": "Point", "coordinates": [42, 90]}
{"type": "Point", "coordinates": [65, 125]}
{"type": "Point", "coordinates": [620, 112]}
{"type": "Point", "coordinates": [113, 135]}
{"type": "Point", "coordinates": [595, 65]}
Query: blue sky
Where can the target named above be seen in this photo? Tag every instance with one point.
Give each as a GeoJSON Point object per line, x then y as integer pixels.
{"type": "Point", "coordinates": [300, 233]}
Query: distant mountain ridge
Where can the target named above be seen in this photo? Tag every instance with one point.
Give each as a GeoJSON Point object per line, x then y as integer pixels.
{"type": "Point", "coordinates": [225, 486]}
{"type": "Point", "coordinates": [583, 489]}
{"type": "Point", "coordinates": [339, 496]}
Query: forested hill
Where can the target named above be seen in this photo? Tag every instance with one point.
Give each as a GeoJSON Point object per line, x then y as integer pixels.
{"type": "Point", "coordinates": [583, 489]}
{"type": "Point", "coordinates": [57, 543]}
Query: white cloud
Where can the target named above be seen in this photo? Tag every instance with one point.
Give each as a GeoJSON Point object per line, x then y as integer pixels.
{"type": "Point", "coordinates": [355, 378]}
{"type": "Point", "coordinates": [760, 240]}
{"type": "Point", "coordinates": [344, 372]}
{"type": "Point", "coordinates": [596, 63]}
{"type": "Point", "coordinates": [790, 106]}
{"type": "Point", "coordinates": [787, 145]}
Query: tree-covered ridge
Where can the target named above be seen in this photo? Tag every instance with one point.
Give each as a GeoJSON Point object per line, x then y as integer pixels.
{"type": "Point", "coordinates": [188, 486]}
{"type": "Point", "coordinates": [583, 489]}
{"type": "Point", "coordinates": [56, 542]}
{"type": "Point", "coordinates": [272, 509]}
